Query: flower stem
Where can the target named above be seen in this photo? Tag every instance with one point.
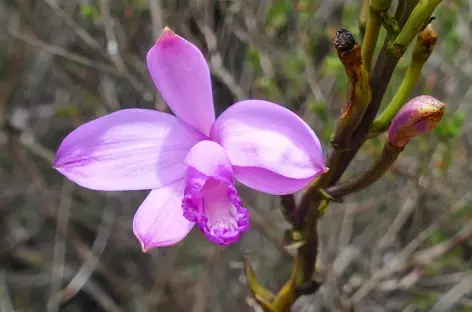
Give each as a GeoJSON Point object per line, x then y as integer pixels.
{"type": "Point", "coordinates": [388, 157]}
{"type": "Point", "coordinates": [373, 29]}
{"type": "Point", "coordinates": [423, 48]}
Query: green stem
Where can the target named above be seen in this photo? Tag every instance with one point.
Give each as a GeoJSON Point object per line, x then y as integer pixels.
{"type": "Point", "coordinates": [389, 155]}
{"type": "Point", "coordinates": [370, 38]}
{"type": "Point", "coordinates": [373, 29]}
{"type": "Point", "coordinates": [420, 15]}
{"type": "Point", "coordinates": [382, 122]}
{"type": "Point", "coordinates": [363, 18]}
{"type": "Point", "coordinates": [424, 45]}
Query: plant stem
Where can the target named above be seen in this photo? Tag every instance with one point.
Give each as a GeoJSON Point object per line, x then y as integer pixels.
{"type": "Point", "coordinates": [363, 18]}
{"type": "Point", "coordinates": [382, 73]}
{"type": "Point", "coordinates": [423, 48]}
{"type": "Point", "coordinates": [339, 160]}
{"type": "Point", "coordinates": [304, 265]}
{"type": "Point", "coordinates": [349, 52]}
{"type": "Point", "coordinates": [421, 13]}
{"type": "Point", "coordinates": [388, 157]}
{"type": "Point", "coordinates": [373, 29]}
{"type": "Point", "coordinates": [370, 39]}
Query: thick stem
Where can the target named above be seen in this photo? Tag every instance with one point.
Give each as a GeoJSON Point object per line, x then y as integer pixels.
{"type": "Point", "coordinates": [388, 157]}
{"type": "Point", "coordinates": [311, 197]}
{"type": "Point", "coordinates": [383, 71]}
{"type": "Point", "coordinates": [349, 52]}
{"type": "Point", "coordinates": [307, 254]}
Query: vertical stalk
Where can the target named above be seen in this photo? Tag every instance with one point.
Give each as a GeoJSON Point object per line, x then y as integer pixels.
{"type": "Point", "coordinates": [363, 18]}
{"type": "Point", "coordinates": [373, 29]}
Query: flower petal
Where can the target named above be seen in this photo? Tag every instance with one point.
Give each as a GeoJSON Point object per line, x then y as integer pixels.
{"type": "Point", "coordinates": [159, 221]}
{"type": "Point", "coordinates": [181, 74]}
{"type": "Point", "coordinates": [271, 149]}
{"type": "Point", "coordinates": [131, 149]}
{"type": "Point", "coordinates": [211, 198]}
{"type": "Point", "coordinates": [269, 182]}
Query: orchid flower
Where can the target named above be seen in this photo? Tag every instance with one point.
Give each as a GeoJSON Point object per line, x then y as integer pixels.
{"type": "Point", "coordinates": [190, 161]}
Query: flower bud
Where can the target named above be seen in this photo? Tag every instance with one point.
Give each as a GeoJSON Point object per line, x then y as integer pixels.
{"type": "Point", "coordinates": [419, 115]}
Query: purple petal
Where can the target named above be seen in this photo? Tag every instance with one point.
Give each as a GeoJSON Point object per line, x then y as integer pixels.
{"type": "Point", "coordinates": [159, 221]}
{"type": "Point", "coordinates": [269, 182]}
{"type": "Point", "coordinates": [131, 149]}
{"type": "Point", "coordinates": [181, 74]}
{"type": "Point", "coordinates": [211, 198]}
{"type": "Point", "coordinates": [271, 149]}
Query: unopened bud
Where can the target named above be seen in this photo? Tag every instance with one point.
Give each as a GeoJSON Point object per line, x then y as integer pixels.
{"type": "Point", "coordinates": [418, 116]}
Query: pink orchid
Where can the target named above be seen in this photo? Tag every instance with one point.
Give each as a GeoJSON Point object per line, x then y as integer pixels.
{"type": "Point", "coordinates": [189, 161]}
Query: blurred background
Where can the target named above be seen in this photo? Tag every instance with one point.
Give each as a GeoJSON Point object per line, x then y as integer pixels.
{"type": "Point", "coordinates": [403, 244]}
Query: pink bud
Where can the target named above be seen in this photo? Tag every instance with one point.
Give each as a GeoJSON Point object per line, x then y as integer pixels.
{"type": "Point", "coordinates": [419, 115]}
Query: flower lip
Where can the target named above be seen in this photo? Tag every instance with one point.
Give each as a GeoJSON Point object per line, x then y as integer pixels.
{"type": "Point", "coordinates": [210, 197]}
{"type": "Point", "coordinates": [217, 210]}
